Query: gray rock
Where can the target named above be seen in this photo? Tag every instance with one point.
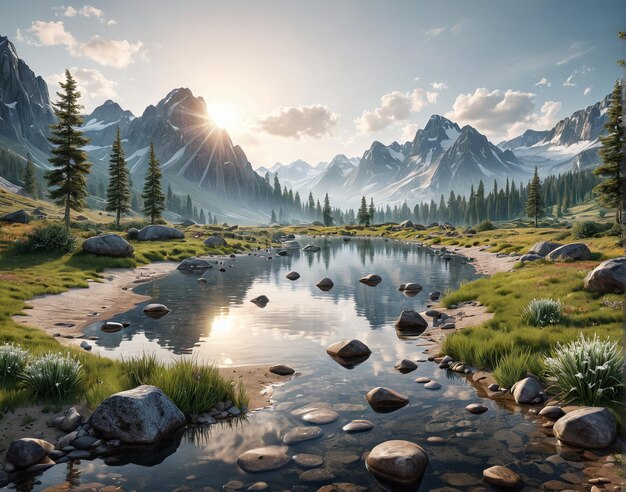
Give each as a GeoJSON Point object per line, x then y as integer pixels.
{"type": "Point", "coordinates": [321, 416]}
{"type": "Point", "coordinates": [132, 233]}
{"type": "Point", "coordinates": [552, 412]}
{"type": "Point", "coordinates": [570, 252]}
{"type": "Point", "coordinates": [17, 217]}
{"type": "Point", "coordinates": [384, 400]}
{"type": "Point", "coordinates": [608, 277]}
{"type": "Point", "coordinates": [308, 460]}
{"type": "Point", "coordinates": [25, 452]}
{"type": "Point", "coordinates": [293, 275]}
{"type": "Point", "coordinates": [526, 390]}
{"type": "Point", "coordinates": [434, 296]}
{"type": "Point", "coordinates": [411, 319]}
{"type": "Point", "coordinates": [348, 349]}
{"type": "Point", "coordinates": [432, 313]}
{"type": "Point", "coordinates": [111, 327]}
{"type": "Point", "coordinates": [79, 454]}
{"type": "Point", "coordinates": [405, 366]}
{"type": "Point", "coordinates": [159, 233]}
{"type": "Point", "coordinates": [527, 258]}
{"type": "Point", "coordinates": [432, 385]}
{"type": "Point", "coordinates": [282, 370]}
{"type": "Point", "coordinates": [260, 301]}
{"type": "Point", "coordinates": [214, 241]}
{"type": "Point", "coordinates": [311, 248]}
{"type": "Point", "coordinates": [85, 345]}
{"type": "Point", "coordinates": [398, 462]}
{"type": "Point", "coordinates": [71, 420]}
{"type": "Point", "coordinates": [193, 265]}
{"type": "Point", "coordinates": [301, 434]}
{"type": "Point", "coordinates": [411, 288]}
{"type": "Point", "coordinates": [476, 408]}
{"type": "Point", "coordinates": [108, 245]}
{"type": "Point", "coordinates": [543, 248]}
{"type": "Point", "coordinates": [371, 279]}
{"type": "Point", "coordinates": [587, 427]}
{"type": "Point", "coordinates": [291, 244]}
{"type": "Point", "coordinates": [325, 284]}
{"type": "Point", "coordinates": [355, 426]}
{"type": "Point", "coordinates": [263, 459]}
{"type": "Point", "coordinates": [407, 224]}
{"type": "Point", "coordinates": [86, 442]}
{"type": "Point", "coordinates": [142, 415]}
{"type": "Point", "coordinates": [156, 310]}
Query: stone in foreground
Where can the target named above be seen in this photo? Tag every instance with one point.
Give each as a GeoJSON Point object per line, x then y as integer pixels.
{"type": "Point", "coordinates": [385, 400]}
{"type": "Point", "coordinates": [587, 427]}
{"type": "Point", "coordinates": [398, 463]}
{"type": "Point", "coordinates": [281, 370]}
{"type": "Point", "coordinates": [26, 452]}
{"type": "Point", "coordinates": [143, 415]}
{"type": "Point", "coordinates": [570, 252]}
{"type": "Point", "coordinates": [349, 353]}
{"type": "Point", "coordinates": [501, 476]}
{"type": "Point", "coordinates": [159, 233]}
{"type": "Point", "coordinates": [552, 412]}
{"type": "Point", "coordinates": [263, 460]}
{"type": "Point", "coordinates": [108, 245]}
{"type": "Point", "coordinates": [608, 277]}
{"type": "Point", "coordinates": [526, 390]}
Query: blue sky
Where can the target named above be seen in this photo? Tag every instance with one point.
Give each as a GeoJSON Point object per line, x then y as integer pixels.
{"type": "Point", "coordinates": [304, 79]}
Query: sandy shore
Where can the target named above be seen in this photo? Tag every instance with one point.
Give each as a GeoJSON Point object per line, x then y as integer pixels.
{"type": "Point", "coordinates": [486, 263]}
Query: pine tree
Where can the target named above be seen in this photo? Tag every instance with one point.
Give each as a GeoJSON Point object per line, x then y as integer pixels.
{"type": "Point", "coordinates": [611, 189]}
{"type": "Point", "coordinates": [68, 181]}
{"type": "Point", "coordinates": [327, 212]}
{"type": "Point", "coordinates": [189, 208]}
{"type": "Point", "coordinates": [535, 207]}
{"type": "Point", "coordinates": [30, 179]}
{"type": "Point", "coordinates": [118, 192]}
{"type": "Point", "coordinates": [202, 218]}
{"type": "Point", "coordinates": [372, 211]}
{"type": "Point", "coordinates": [363, 216]}
{"type": "Point", "coordinates": [273, 219]}
{"type": "Point", "coordinates": [153, 198]}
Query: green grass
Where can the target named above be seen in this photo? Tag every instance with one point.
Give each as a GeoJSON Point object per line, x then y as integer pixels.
{"type": "Point", "coordinates": [514, 366]}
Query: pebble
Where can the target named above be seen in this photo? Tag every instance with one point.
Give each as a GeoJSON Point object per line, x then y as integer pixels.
{"type": "Point", "coordinates": [422, 380]}
{"type": "Point", "coordinates": [476, 408]}
{"type": "Point", "coordinates": [433, 385]}
{"type": "Point", "coordinates": [321, 416]}
{"type": "Point", "coordinates": [501, 476]}
{"type": "Point", "coordinates": [300, 434]}
{"type": "Point", "coordinates": [317, 475]}
{"type": "Point", "coordinates": [358, 426]}
{"type": "Point", "coordinates": [308, 460]}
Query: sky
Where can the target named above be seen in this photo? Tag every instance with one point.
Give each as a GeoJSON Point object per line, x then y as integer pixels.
{"type": "Point", "coordinates": [309, 79]}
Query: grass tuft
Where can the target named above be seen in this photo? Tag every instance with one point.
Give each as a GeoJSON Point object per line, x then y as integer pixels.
{"type": "Point", "coordinates": [542, 312]}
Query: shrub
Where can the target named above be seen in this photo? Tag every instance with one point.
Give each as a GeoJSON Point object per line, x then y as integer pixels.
{"type": "Point", "coordinates": [587, 371]}
{"type": "Point", "coordinates": [542, 312]}
{"type": "Point", "coordinates": [485, 225]}
{"type": "Point", "coordinates": [53, 375]}
{"type": "Point", "coordinates": [615, 230]}
{"type": "Point", "coordinates": [588, 228]}
{"type": "Point", "coordinates": [12, 360]}
{"type": "Point", "coordinates": [51, 238]}
{"type": "Point", "coordinates": [515, 366]}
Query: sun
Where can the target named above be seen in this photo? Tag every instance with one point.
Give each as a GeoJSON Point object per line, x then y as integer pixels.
{"type": "Point", "coordinates": [223, 113]}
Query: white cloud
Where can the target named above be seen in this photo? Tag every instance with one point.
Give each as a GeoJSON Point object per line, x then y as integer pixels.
{"type": "Point", "coordinates": [587, 90]}
{"type": "Point", "coordinates": [69, 11]}
{"type": "Point", "coordinates": [576, 50]}
{"type": "Point", "coordinates": [92, 84]}
{"type": "Point", "coordinates": [434, 31]}
{"type": "Point", "coordinates": [416, 79]}
{"type": "Point", "coordinates": [569, 81]}
{"type": "Point", "coordinates": [315, 121]}
{"type": "Point", "coordinates": [503, 114]}
{"type": "Point", "coordinates": [438, 86]}
{"type": "Point", "coordinates": [84, 11]}
{"type": "Point", "coordinates": [394, 107]}
{"type": "Point", "coordinates": [111, 22]}
{"type": "Point", "coordinates": [51, 33]}
{"type": "Point", "coordinates": [111, 52]}
{"type": "Point", "coordinates": [543, 83]}
{"type": "Point", "coordinates": [409, 131]}
{"type": "Point", "coordinates": [584, 70]}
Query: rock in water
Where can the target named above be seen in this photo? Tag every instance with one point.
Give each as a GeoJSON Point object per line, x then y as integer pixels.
{"type": "Point", "coordinates": [17, 217]}
{"type": "Point", "coordinates": [281, 370]}
{"type": "Point", "coordinates": [159, 233]}
{"type": "Point", "coordinates": [260, 301]}
{"type": "Point", "coordinates": [156, 310]}
{"type": "Point", "coordinates": [358, 426]}
{"type": "Point", "coordinates": [325, 284]}
{"type": "Point", "coordinates": [526, 390]}
{"type": "Point", "coordinates": [301, 434]}
{"type": "Point", "coordinates": [142, 415]}
{"type": "Point", "coordinates": [71, 420]}
{"type": "Point", "coordinates": [411, 319]}
{"type": "Point", "coordinates": [398, 463]}
{"type": "Point", "coordinates": [26, 451]}
{"type": "Point", "coordinates": [543, 248]}
{"type": "Point", "coordinates": [412, 288]}
{"type": "Point", "coordinates": [214, 241]}
{"type": "Point", "coordinates": [348, 349]}
{"type": "Point", "coordinates": [262, 460]}
{"type": "Point", "coordinates": [193, 264]}
{"type": "Point", "coordinates": [321, 416]}
{"type": "Point", "coordinates": [372, 279]}
{"type": "Point", "coordinates": [311, 248]}
{"type": "Point", "coordinates": [587, 427]}
{"type": "Point", "coordinates": [385, 400]}
{"type": "Point", "coordinates": [570, 252]}
{"type": "Point", "coordinates": [108, 245]}
{"type": "Point", "coordinates": [293, 275]}
{"type": "Point", "coordinates": [608, 277]}
{"type": "Point", "coordinates": [476, 408]}
{"type": "Point", "coordinates": [552, 412]}
{"type": "Point", "coordinates": [405, 366]}
{"type": "Point", "coordinates": [111, 327]}
{"type": "Point", "coordinates": [501, 476]}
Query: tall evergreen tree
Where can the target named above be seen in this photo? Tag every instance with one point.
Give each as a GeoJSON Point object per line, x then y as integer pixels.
{"type": "Point", "coordinates": [153, 198]}
{"type": "Point", "coordinates": [273, 219]}
{"type": "Point", "coordinates": [535, 206]}
{"type": "Point", "coordinates": [363, 216]}
{"type": "Point", "coordinates": [611, 190]}
{"type": "Point", "coordinates": [30, 179]}
{"type": "Point", "coordinates": [372, 211]}
{"type": "Point", "coordinates": [327, 212]}
{"type": "Point", "coordinates": [68, 180]}
{"type": "Point", "coordinates": [118, 192]}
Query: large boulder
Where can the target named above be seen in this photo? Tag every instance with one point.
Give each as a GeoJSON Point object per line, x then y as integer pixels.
{"type": "Point", "coordinates": [527, 390]}
{"type": "Point", "coordinates": [17, 217]}
{"type": "Point", "coordinates": [215, 242]}
{"type": "Point", "coordinates": [398, 463]}
{"type": "Point", "coordinates": [587, 427]}
{"type": "Point", "coordinates": [609, 276]}
{"type": "Point", "coordinates": [26, 452]}
{"type": "Point", "coordinates": [542, 248]}
{"type": "Point", "coordinates": [348, 349]}
{"type": "Point", "coordinates": [371, 279]}
{"type": "Point", "coordinates": [411, 319]}
{"type": "Point", "coordinates": [108, 245]}
{"type": "Point", "coordinates": [159, 233]}
{"type": "Point", "coordinates": [142, 415]}
{"type": "Point", "coordinates": [530, 257]}
{"type": "Point", "coordinates": [570, 252]}
{"type": "Point", "coordinates": [194, 265]}
{"type": "Point", "coordinates": [406, 224]}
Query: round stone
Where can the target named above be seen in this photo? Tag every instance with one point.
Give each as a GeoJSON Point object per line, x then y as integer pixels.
{"type": "Point", "coordinates": [552, 412]}
{"type": "Point", "coordinates": [301, 434]}
{"type": "Point", "coordinates": [308, 460]}
{"type": "Point", "coordinates": [321, 416]}
{"type": "Point", "coordinates": [263, 459]}
{"type": "Point", "coordinates": [384, 400]}
{"type": "Point", "coordinates": [282, 370]}
{"type": "Point", "coordinates": [358, 426]}
{"type": "Point", "coordinates": [433, 385]}
{"type": "Point", "coordinates": [293, 275]}
{"type": "Point", "coordinates": [398, 462]}
{"type": "Point", "coordinates": [476, 408]}
{"type": "Point", "coordinates": [501, 476]}
{"type": "Point", "coordinates": [405, 366]}
{"type": "Point", "coordinates": [317, 475]}
{"type": "Point", "coordinates": [436, 440]}
{"type": "Point", "coordinates": [422, 380]}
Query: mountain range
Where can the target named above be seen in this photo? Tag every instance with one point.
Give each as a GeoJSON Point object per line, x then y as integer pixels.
{"type": "Point", "coordinates": [199, 158]}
